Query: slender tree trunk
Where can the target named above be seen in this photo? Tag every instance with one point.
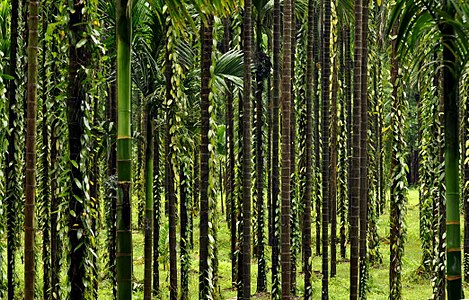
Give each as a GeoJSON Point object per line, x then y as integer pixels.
{"type": "Point", "coordinates": [54, 206]}
{"type": "Point", "coordinates": [439, 207]}
{"type": "Point", "coordinates": [364, 153]}
{"type": "Point", "coordinates": [112, 194]}
{"type": "Point", "coordinates": [31, 116]}
{"type": "Point", "coordinates": [45, 181]}
{"type": "Point", "coordinates": [286, 148]}
{"type": "Point", "coordinates": [325, 148]}
{"type": "Point", "coordinates": [356, 146]}
{"type": "Point", "coordinates": [397, 200]}
{"type": "Point", "coordinates": [317, 134]}
{"type": "Point", "coordinates": [246, 245]}
{"type": "Point", "coordinates": [275, 154]}
{"type": "Point", "coordinates": [306, 234]}
{"type": "Point", "coordinates": [138, 187]}
{"type": "Point", "coordinates": [450, 94]}
{"type": "Point", "coordinates": [333, 170]}
{"type": "Point", "coordinates": [294, 226]}
{"type": "Point", "coordinates": [269, 149]}
{"type": "Point", "coordinates": [78, 58]}
{"type": "Point", "coordinates": [239, 201]}
{"type": "Point", "coordinates": [148, 204]}
{"type": "Point", "coordinates": [94, 206]}
{"type": "Point", "coordinates": [345, 161]}
{"type": "Point", "coordinates": [156, 208]}
{"type": "Point", "coordinates": [465, 197]}
{"type": "Point", "coordinates": [170, 195]}
{"type": "Point", "coordinates": [204, 280]}
{"type": "Point", "coordinates": [231, 199]}
{"type": "Point", "coordinates": [350, 108]}
{"type": "Point", "coordinates": [184, 254]}
{"type": "Point", "coordinates": [262, 72]}
{"type": "Point", "coordinates": [124, 149]}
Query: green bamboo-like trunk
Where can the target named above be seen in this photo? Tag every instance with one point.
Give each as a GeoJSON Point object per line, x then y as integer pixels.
{"type": "Point", "coordinates": [31, 116]}
{"type": "Point", "coordinates": [148, 222]}
{"type": "Point", "coordinates": [124, 150]}
{"type": "Point", "coordinates": [451, 125]}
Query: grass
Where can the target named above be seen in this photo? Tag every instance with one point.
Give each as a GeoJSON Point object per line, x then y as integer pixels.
{"type": "Point", "coordinates": [415, 286]}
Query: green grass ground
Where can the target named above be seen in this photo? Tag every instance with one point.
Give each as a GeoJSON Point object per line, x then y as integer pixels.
{"type": "Point", "coordinates": [414, 285]}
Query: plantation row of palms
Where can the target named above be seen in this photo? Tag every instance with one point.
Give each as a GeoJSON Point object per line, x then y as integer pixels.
{"type": "Point", "coordinates": [295, 125]}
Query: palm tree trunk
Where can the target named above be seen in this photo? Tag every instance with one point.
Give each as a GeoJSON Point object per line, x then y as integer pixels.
{"type": "Point", "coordinates": [451, 125]}
{"type": "Point", "coordinates": [275, 154]}
{"type": "Point", "coordinates": [156, 208]}
{"type": "Point", "coordinates": [112, 193]}
{"type": "Point", "coordinates": [54, 206]}
{"type": "Point", "coordinates": [45, 180]}
{"type": "Point", "coordinates": [465, 197]}
{"type": "Point", "coordinates": [170, 195]}
{"type": "Point", "coordinates": [78, 57]}
{"type": "Point", "coordinates": [317, 134]}
{"type": "Point", "coordinates": [207, 40]}
{"type": "Point", "coordinates": [147, 293]}
{"type": "Point", "coordinates": [294, 221]}
{"type": "Point", "coordinates": [29, 259]}
{"type": "Point", "coordinates": [261, 73]}
{"type": "Point", "coordinates": [184, 254]}
{"type": "Point", "coordinates": [397, 199]}
{"type": "Point", "coordinates": [231, 199]}
{"type": "Point", "coordinates": [364, 154]}
{"type": "Point", "coordinates": [269, 149]}
{"type": "Point", "coordinates": [345, 152]}
{"type": "Point", "coordinates": [286, 148]}
{"type": "Point", "coordinates": [138, 188]}
{"type": "Point", "coordinates": [333, 170]}
{"type": "Point", "coordinates": [325, 148]}
{"type": "Point", "coordinates": [124, 149]}
{"type": "Point", "coordinates": [356, 146]}
{"type": "Point", "coordinates": [306, 234]}
{"type": "Point", "coordinates": [246, 244]}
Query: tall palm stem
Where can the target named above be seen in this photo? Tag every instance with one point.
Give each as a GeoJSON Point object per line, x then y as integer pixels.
{"type": "Point", "coordinates": [31, 116]}
{"type": "Point", "coordinates": [124, 150]}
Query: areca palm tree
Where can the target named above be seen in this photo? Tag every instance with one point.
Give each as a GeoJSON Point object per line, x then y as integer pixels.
{"type": "Point", "coordinates": [445, 18]}
{"type": "Point", "coordinates": [124, 146]}
{"type": "Point", "coordinates": [286, 145]}
{"type": "Point", "coordinates": [355, 175]}
{"type": "Point", "coordinates": [308, 156]}
{"type": "Point", "coordinates": [246, 244]}
{"type": "Point", "coordinates": [275, 153]}
{"type": "Point", "coordinates": [325, 148]}
{"type": "Point", "coordinates": [31, 116]}
{"type": "Point", "coordinates": [207, 41]}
